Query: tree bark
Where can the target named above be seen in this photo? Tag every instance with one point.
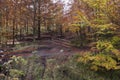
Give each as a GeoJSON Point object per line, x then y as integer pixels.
{"type": "Point", "coordinates": [34, 19]}
{"type": "Point", "coordinates": [13, 43]}
{"type": "Point", "coordinates": [39, 20]}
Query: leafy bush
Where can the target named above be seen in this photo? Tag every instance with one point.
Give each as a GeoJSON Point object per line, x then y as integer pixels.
{"type": "Point", "coordinates": [104, 46]}
{"type": "Point", "coordinates": [73, 70]}
{"type": "Point", "coordinates": [15, 73]}
{"type": "Point", "coordinates": [99, 61]}
{"type": "Point", "coordinates": [107, 57]}
{"type": "Point", "coordinates": [105, 32]}
{"type": "Point", "coordinates": [116, 42]}
{"type": "Point", "coordinates": [106, 60]}
{"type": "Point", "coordinates": [77, 67]}
{"type": "Point", "coordinates": [104, 65]}
{"type": "Point", "coordinates": [20, 68]}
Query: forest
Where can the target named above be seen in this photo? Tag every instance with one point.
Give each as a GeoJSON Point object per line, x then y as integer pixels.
{"type": "Point", "coordinates": [59, 39]}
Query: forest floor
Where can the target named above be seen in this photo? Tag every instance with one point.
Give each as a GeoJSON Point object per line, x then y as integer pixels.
{"type": "Point", "coordinates": [43, 48]}
{"type": "Point", "coordinates": [46, 48]}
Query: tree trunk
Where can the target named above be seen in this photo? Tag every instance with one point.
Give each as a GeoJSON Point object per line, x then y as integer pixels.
{"type": "Point", "coordinates": [34, 19]}
{"type": "Point", "coordinates": [27, 28]}
{"type": "Point", "coordinates": [13, 43]}
{"type": "Point", "coordinates": [39, 28]}
{"type": "Point", "coordinates": [39, 20]}
{"type": "Point", "coordinates": [20, 34]}
{"type": "Point", "coordinates": [61, 31]}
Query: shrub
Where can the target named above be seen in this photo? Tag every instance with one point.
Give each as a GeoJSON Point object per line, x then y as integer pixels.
{"type": "Point", "coordinates": [104, 46]}
{"type": "Point", "coordinates": [105, 61]}
{"type": "Point", "coordinates": [21, 68]}
{"type": "Point", "coordinates": [116, 42]}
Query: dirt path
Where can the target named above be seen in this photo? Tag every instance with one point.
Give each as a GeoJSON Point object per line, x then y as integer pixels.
{"type": "Point", "coordinates": [56, 47]}
{"type": "Point", "coordinates": [48, 48]}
